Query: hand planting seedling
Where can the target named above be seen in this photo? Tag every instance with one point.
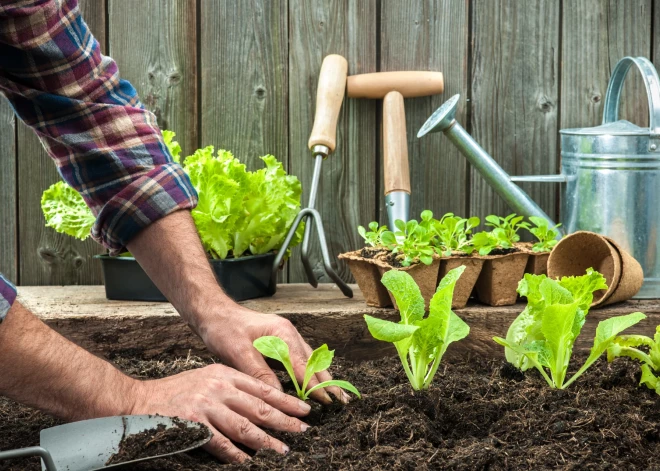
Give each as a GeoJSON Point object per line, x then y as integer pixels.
{"type": "Point", "coordinates": [373, 237]}
{"type": "Point", "coordinates": [543, 335]}
{"type": "Point", "coordinates": [320, 360]}
{"type": "Point", "coordinates": [420, 341]}
{"type": "Point", "coordinates": [546, 235]}
{"type": "Point", "coordinates": [412, 240]}
{"type": "Point", "coordinates": [453, 234]}
{"type": "Point", "coordinates": [628, 346]}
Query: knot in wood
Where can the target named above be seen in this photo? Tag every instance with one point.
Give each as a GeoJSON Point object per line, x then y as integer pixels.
{"type": "Point", "coordinates": [174, 78]}
{"type": "Point", "coordinates": [78, 261]}
{"type": "Point", "coordinates": [260, 91]}
{"type": "Point", "coordinates": [48, 255]}
{"type": "Point", "coordinates": [544, 104]}
{"type": "Point", "coordinates": [595, 98]}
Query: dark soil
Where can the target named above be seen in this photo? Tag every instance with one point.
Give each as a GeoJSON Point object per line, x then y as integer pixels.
{"type": "Point", "coordinates": [373, 252]}
{"type": "Point", "coordinates": [394, 259]}
{"type": "Point", "coordinates": [158, 441]}
{"type": "Point", "coordinates": [478, 415]}
{"type": "Point", "coordinates": [504, 251]}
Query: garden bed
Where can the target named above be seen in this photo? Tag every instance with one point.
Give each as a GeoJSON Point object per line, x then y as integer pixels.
{"type": "Point", "coordinates": [479, 414]}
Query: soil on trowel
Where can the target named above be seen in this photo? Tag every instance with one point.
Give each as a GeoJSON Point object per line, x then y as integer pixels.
{"type": "Point", "coordinates": [478, 415]}
{"type": "Point", "coordinates": [158, 441]}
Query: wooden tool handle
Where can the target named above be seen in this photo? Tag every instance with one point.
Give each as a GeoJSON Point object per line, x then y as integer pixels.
{"type": "Point", "coordinates": [409, 84]}
{"type": "Point", "coordinates": [395, 145]}
{"type": "Point", "coordinates": [329, 96]}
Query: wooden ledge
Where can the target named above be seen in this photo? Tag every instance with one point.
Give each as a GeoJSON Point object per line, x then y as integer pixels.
{"type": "Point", "coordinates": [322, 315]}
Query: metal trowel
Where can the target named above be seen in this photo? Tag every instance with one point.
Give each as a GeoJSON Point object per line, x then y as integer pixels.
{"type": "Point", "coordinates": [88, 445]}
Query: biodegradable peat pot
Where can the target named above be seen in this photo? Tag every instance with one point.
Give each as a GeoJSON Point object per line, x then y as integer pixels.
{"type": "Point", "coordinates": [499, 278]}
{"type": "Point", "coordinates": [581, 250]}
{"type": "Point", "coordinates": [538, 261]}
{"type": "Point", "coordinates": [632, 276]}
{"type": "Point", "coordinates": [426, 277]}
{"type": "Point", "coordinates": [367, 276]}
{"type": "Point", "coordinates": [241, 278]}
{"type": "Point", "coordinates": [465, 284]}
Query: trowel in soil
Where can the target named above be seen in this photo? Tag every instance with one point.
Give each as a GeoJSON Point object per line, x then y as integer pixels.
{"type": "Point", "coordinates": [329, 97]}
{"type": "Point", "coordinates": [88, 445]}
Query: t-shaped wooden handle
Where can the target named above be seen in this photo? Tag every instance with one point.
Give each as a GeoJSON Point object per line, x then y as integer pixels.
{"type": "Point", "coordinates": [395, 146]}
{"type": "Point", "coordinates": [409, 84]}
{"type": "Point", "coordinates": [329, 97]}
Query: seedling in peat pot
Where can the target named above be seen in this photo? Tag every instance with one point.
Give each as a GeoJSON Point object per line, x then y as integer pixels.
{"type": "Point", "coordinates": [412, 240]}
{"type": "Point", "coordinates": [628, 346]}
{"type": "Point", "coordinates": [373, 237]}
{"type": "Point", "coordinates": [543, 335]}
{"type": "Point", "coordinates": [420, 341]}
{"type": "Point", "coordinates": [503, 236]}
{"type": "Point", "coordinates": [510, 225]}
{"type": "Point", "coordinates": [320, 360]}
{"type": "Point", "coordinates": [546, 235]}
{"type": "Point", "coordinates": [453, 234]}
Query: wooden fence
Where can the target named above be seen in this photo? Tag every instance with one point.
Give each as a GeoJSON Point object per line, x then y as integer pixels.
{"type": "Point", "coordinates": [241, 75]}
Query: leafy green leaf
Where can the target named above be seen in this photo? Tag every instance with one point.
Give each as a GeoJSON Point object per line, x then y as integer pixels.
{"type": "Point", "coordinates": [66, 211]}
{"type": "Point", "coordinates": [320, 360]}
{"type": "Point", "coordinates": [388, 331]}
{"type": "Point", "coordinates": [274, 347]}
{"type": "Point", "coordinates": [407, 294]}
{"type": "Point", "coordinates": [335, 382]}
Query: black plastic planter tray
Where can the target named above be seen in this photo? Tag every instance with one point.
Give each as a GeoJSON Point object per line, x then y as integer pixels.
{"type": "Point", "coordinates": [241, 278]}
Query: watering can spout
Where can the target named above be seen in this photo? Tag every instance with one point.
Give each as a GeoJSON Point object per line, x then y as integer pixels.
{"type": "Point", "coordinates": [443, 119]}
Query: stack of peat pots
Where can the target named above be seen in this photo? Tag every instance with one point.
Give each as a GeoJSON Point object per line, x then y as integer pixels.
{"type": "Point", "coordinates": [493, 278]}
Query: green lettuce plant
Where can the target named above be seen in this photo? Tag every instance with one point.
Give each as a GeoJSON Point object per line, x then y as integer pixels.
{"type": "Point", "coordinates": [453, 234]}
{"type": "Point", "coordinates": [509, 226]}
{"type": "Point", "coordinates": [546, 236]}
{"type": "Point", "coordinates": [238, 210]}
{"type": "Point", "coordinates": [320, 360]}
{"type": "Point", "coordinates": [629, 346]}
{"type": "Point", "coordinates": [412, 240]}
{"type": "Point", "coordinates": [420, 341]}
{"type": "Point", "coordinates": [373, 236]}
{"type": "Point", "coordinates": [543, 335]}
{"type": "Point", "coordinates": [486, 241]}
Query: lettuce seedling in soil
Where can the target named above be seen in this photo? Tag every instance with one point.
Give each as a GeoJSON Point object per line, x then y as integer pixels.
{"type": "Point", "coordinates": [411, 240]}
{"type": "Point", "coordinates": [420, 341]}
{"type": "Point", "coordinates": [546, 235]}
{"type": "Point", "coordinates": [453, 234]}
{"type": "Point", "coordinates": [320, 360]}
{"type": "Point", "coordinates": [629, 346]}
{"type": "Point", "coordinates": [543, 335]}
{"type": "Point", "coordinates": [372, 237]}
{"type": "Point", "coordinates": [510, 225]}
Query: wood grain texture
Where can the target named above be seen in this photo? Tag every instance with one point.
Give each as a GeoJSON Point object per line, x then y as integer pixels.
{"type": "Point", "coordinates": [155, 43]}
{"type": "Point", "coordinates": [324, 315]}
{"type": "Point", "coordinates": [244, 78]}
{"type": "Point", "coordinates": [348, 183]}
{"type": "Point", "coordinates": [429, 35]}
{"type": "Point", "coordinates": [8, 219]}
{"type": "Point", "coordinates": [595, 35]}
{"type": "Point", "coordinates": [515, 97]}
{"type": "Point", "coordinates": [48, 258]}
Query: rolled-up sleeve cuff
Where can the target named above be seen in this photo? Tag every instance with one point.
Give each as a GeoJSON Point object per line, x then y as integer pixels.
{"type": "Point", "coordinates": [7, 297]}
{"type": "Point", "coordinates": [159, 192]}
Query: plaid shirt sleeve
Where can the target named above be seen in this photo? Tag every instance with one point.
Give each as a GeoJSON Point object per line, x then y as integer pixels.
{"type": "Point", "coordinates": [104, 142]}
{"type": "Point", "coordinates": [7, 297]}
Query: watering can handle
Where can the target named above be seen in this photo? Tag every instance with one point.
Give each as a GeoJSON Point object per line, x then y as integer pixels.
{"type": "Point", "coordinates": [652, 83]}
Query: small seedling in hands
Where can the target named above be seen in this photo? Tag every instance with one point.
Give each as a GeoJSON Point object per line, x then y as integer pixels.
{"type": "Point", "coordinates": [320, 360]}
{"type": "Point", "coordinates": [546, 235]}
{"type": "Point", "coordinates": [453, 234]}
{"type": "Point", "coordinates": [374, 235]}
{"type": "Point", "coordinates": [628, 346]}
{"type": "Point", "coordinates": [543, 335]}
{"type": "Point", "coordinates": [420, 341]}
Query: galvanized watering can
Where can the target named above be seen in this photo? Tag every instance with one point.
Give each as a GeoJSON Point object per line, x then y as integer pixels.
{"type": "Point", "coordinates": [610, 174]}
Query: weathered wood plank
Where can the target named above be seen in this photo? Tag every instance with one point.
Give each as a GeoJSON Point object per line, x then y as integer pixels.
{"type": "Point", "coordinates": [321, 315]}
{"type": "Point", "coordinates": [155, 44]}
{"type": "Point", "coordinates": [515, 93]}
{"type": "Point", "coordinates": [429, 35]}
{"type": "Point", "coordinates": [244, 78]}
{"type": "Point", "coordinates": [595, 35]}
{"type": "Point", "coordinates": [347, 191]}
{"type": "Point", "coordinates": [45, 256]}
{"type": "Point", "coordinates": [9, 222]}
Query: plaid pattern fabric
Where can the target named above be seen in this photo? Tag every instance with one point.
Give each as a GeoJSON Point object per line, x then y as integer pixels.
{"type": "Point", "coordinates": [91, 122]}
{"type": "Point", "coordinates": [7, 297]}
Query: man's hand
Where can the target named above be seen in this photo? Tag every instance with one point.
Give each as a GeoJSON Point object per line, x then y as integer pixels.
{"type": "Point", "coordinates": [233, 405]}
{"type": "Point", "coordinates": [171, 253]}
{"type": "Point", "coordinates": [231, 336]}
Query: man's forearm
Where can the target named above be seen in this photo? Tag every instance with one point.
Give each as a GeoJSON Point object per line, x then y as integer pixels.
{"type": "Point", "coordinates": [41, 368]}
{"type": "Point", "coordinates": [171, 253]}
